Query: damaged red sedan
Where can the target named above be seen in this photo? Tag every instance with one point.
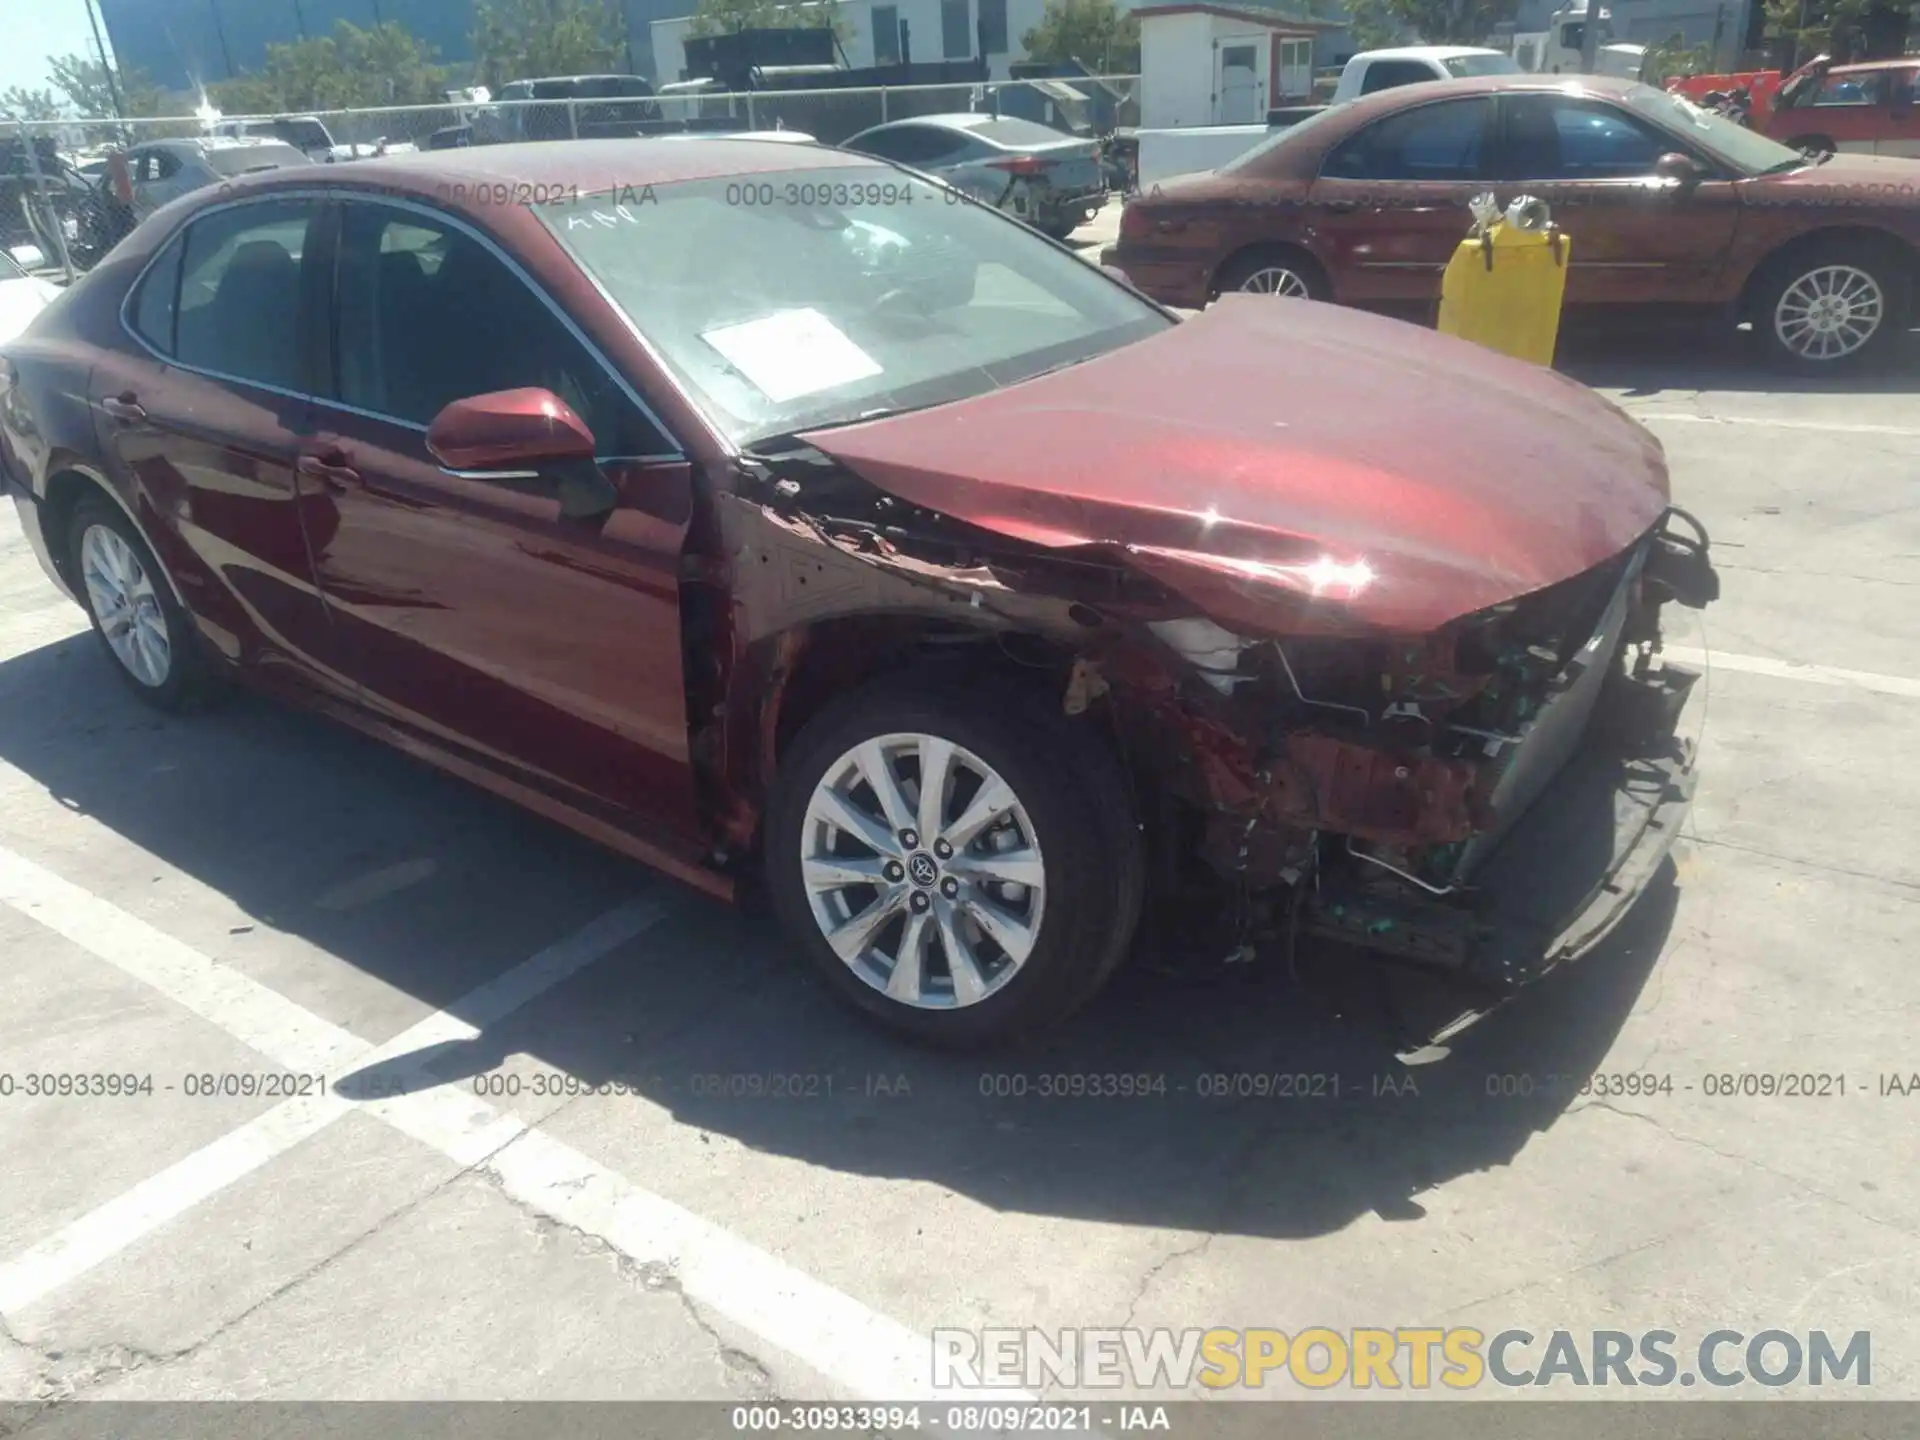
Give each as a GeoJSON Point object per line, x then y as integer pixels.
{"type": "Point", "coordinates": [763, 510]}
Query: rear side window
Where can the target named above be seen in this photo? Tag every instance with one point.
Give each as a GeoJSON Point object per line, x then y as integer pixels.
{"type": "Point", "coordinates": [239, 159]}
{"type": "Point", "coordinates": [1429, 142]}
{"type": "Point", "coordinates": [240, 282]}
{"type": "Point", "coordinates": [155, 305]}
{"type": "Point", "coordinates": [1389, 74]}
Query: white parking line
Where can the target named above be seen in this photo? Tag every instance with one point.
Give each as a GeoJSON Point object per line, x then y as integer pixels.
{"type": "Point", "coordinates": [1685, 418]}
{"type": "Point", "coordinates": [866, 1355]}
{"type": "Point", "coordinates": [1795, 670]}
{"type": "Point", "coordinates": [268, 1023]}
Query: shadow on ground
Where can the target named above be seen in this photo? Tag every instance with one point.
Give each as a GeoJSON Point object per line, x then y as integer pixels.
{"type": "Point", "coordinates": [275, 810]}
{"type": "Point", "coordinates": [1684, 356]}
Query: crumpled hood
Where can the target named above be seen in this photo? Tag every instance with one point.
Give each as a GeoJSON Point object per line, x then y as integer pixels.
{"type": "Point", "coordinates": [1291, 467]}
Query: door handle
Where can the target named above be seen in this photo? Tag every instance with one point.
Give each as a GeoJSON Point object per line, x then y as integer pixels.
{"type": "Point", "coordinates": [124, 407]}
{"type": "Point", "coordinates": [331, 470]}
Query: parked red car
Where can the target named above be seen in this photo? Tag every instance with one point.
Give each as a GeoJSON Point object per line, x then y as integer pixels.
{"type": "Point", "coordinates": [1858, 109]}
{"type": "Point", "coordinates": [747, 505]}
{"type": "Point", "coordinates": [1664, 203]}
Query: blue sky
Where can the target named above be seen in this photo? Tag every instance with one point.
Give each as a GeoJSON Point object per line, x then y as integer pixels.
{"type": "Point", "coordinates": [35, 29]}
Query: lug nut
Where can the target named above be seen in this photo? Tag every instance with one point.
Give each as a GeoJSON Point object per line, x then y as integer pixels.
{"type": "Point", "coordinates": [920, 902]}
{"type": "Point", "coordinates": [949, 887]}
{"type": "Point", "coordinates": [943, 849]}
{"type": "Point", "coordinates": [894, 870]}
{"type": "Point", "coordinates": [909, 838]}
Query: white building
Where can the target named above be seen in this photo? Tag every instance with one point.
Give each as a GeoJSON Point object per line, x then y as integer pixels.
{"type": "Point", "coordinates": [1208, 64]}
{"type": "Point", "coordinates": [935, 30]}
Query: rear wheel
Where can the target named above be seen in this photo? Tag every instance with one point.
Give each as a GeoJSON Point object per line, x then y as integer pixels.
{"type": "Point", "coordinates": [1284, 273]}
{"type": "Point", "coordinates": [147, 635]}
{"type": "Point", "coordinates": [1824, 308]}
{"type": "Point", "coordinates": [962, 870]}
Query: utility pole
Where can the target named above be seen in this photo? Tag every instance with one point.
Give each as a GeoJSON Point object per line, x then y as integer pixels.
{"type": "Point", "coordinates": [299, 19]}
{"type": "Point", "coordinates": [220, 30]}
{"type": "Point", "coordinates": [1590, 38]}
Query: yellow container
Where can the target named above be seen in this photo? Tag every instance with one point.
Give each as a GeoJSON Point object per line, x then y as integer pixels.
{"type": "Point", "coordinates": [1504, 290]}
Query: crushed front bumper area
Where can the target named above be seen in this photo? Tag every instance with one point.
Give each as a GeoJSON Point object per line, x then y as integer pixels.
{"type": "Point", "coordinates": [1566, 873]}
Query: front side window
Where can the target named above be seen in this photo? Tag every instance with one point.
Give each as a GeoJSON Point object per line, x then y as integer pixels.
{"type": "Point", "coordinates": [1857, 89]}
{"type": "Point", "coordinates": [888, 296]}
{"type": "Point", "coordinates": [1429, 142]}
{"type": "Point", "coordinates": [240, 283]}
{"type": "Point", "coordinates": [426, 315]}
{"type": "Point", "coordinates": [1551, 137]}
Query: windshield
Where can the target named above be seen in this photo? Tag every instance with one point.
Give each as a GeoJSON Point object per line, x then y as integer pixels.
{"type": "Point", "coordinates": [1466, 66]}
{"type": "Point", "coordinates": [1732, 142]}
{"type": "Point", "coordinates": [888, 293]}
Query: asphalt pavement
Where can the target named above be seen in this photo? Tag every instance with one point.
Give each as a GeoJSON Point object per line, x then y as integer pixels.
{"type": "Point", "coordinates": [597, 1192]}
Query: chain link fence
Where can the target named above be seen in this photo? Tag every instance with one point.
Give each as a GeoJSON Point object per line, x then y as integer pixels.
{"type": "Point", "coordinates": [71, 190]}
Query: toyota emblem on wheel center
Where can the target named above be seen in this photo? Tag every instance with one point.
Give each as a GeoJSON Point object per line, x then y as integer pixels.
{"type": "Point", "coordinates": [922, 869]}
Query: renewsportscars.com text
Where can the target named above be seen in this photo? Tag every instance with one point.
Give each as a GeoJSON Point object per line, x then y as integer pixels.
{"type": "Point", "coordinates": [1414, 1358]}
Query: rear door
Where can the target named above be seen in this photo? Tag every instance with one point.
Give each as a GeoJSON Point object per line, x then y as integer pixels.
{"type": "Point", "coordinates": [204, 422]}
{"type": "Point", "coordinates": [1636, 237]}
{"type": "Point", "coordinates": [1900, 128]}
{"type": "Point", "coordinates": [475, 617]}
{"type": "Point", "coordinates": [1390, 205]}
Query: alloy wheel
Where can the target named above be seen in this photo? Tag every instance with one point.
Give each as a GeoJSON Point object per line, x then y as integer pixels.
{"type": "Point", "coordinates": [1277, 280]}
{"type": "Point", "coordinates": [126, 605]}
{"type": "Point", "coordinates": [923, 871]}
{"type": "Point", "coordinates": [1830, 312]}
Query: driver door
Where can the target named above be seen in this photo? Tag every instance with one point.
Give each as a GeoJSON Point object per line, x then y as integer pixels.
{"type": "Point", "coordinates": [1636, 237]}
{"type": "Point", "coordinates": [473, 614]}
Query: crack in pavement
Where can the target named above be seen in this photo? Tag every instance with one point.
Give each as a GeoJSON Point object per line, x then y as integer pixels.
{"type": "Point", "coordinates": [1791, 1179]}
{"type": "Point", "coordinates": [656, 1277]}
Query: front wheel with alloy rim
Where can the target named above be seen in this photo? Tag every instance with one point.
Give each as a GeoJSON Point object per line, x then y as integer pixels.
{"type": "Point", "coordinates": [1822, 310]}
{"type": "Point", "coordinates": [1284, 274]}
{"type": "Point", "coordinates": [961, 872]}
{"type": "Point", "coordinates": [141, 626]}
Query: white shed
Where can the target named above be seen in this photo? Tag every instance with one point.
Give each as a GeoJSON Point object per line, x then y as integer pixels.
{"type": "Point", "coordinates": [1205, 64]}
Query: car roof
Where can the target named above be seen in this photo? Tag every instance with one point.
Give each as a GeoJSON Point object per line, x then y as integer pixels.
{"type": "Point", "coordinates": [590, 168]}
{"type": "Point", "coordinates": [953, 120]}
{"type": "Point", "coordinates": [1907, 63]}
{"type": "Point", "coordinates": [1428, 52]}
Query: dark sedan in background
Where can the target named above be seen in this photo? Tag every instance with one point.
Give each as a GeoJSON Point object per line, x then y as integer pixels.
{"type": "Point", "coordinates": [1664, 203]}
{"type": "Point", "coordinates": [1052, 181]}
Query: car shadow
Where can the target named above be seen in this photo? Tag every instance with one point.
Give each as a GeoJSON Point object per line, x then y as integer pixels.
{"type": "Point", "coordinates": [1268, 1099]}
{"type": "Point", "coordinates": [1646, 360]}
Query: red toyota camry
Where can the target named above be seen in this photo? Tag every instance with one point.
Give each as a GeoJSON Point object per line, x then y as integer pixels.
{"type": "Point", "coordinates": [762, 509]}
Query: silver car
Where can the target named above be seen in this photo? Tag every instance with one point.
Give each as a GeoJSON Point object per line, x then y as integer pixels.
{"type": "Point", "coordinates": [1050, 180]}
{"type": "Point", "coordinates": [163, 170]}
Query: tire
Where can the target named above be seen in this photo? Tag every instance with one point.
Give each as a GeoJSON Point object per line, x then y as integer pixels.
{"type": "Point", "coordinates": [1070, 805]}
{"type": "Point", "coordinates": [1262, 272]}
{"type": "Point", "coordinates": [1061, 230]}
{"type": "Point", "coordinates": [1825, 308]}
{"type": "Point", "coordinates": [98, 535]}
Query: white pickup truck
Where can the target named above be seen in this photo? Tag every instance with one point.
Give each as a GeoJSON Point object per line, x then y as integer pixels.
{"type": "Point", "coordinates": [1165, 153]}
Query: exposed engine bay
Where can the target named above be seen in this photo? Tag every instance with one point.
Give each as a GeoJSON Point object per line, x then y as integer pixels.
{"type": "Point", "coordinates": [1350, 784]}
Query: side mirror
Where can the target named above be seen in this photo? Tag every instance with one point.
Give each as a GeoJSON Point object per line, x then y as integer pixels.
{"type": "Point", "coordinates": [1682, 170]}
{"type": "Point", "coordinates": [523, 439]}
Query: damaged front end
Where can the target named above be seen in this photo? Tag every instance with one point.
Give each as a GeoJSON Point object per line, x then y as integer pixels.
{"type": "Point", "coordinates": [1488, 796]}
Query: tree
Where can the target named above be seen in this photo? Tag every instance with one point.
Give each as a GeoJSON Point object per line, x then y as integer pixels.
{"type": "Point", "coordinates": [19, 103]}
{"type": "Point", "coordinates": [730, 17]}
{"type": "Point", "coordinates": [353, 68]}
{"type": "Point", "coordinates": [1672, 57]}
{"type": "Point", "coordinates": [85, 84]}
{"type": "Point", "coordinates": [1092, 33]}
{"type": "Point", "coordinates": [1844, 29]}
{"type": "Point", "coordinates": [526, 39]}
{"type": "Point", "coordinates": [1373, 24]}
